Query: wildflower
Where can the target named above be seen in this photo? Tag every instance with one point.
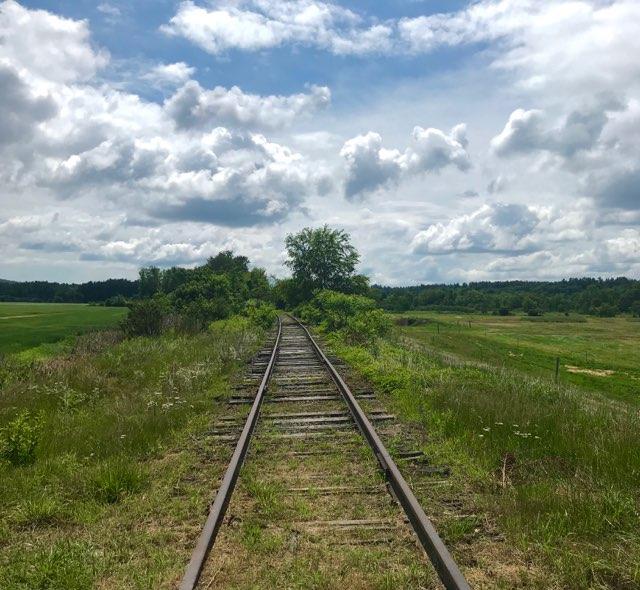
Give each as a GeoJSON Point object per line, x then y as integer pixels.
{"type": "Point", "coordinates": [123, 435]}
{"type": "Point", "coordinates": [499, 423]}
{"type": "Point", "coordinates": [486, 429]}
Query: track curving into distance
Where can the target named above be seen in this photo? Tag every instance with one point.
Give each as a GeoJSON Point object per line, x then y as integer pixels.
{"type": "Point", "coordinates": [304, 413]}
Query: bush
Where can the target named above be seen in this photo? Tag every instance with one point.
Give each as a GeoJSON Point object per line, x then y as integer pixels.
{"type": "Point", "coordinates": [146, 317]}
{"type": "Point", "coordinates": [260, 313]}
{"type": "Point", "coordinates": [204, 300]}
{"type": "Point", "coordinates": [357, 317]}
{"type": "Point", "coordinates": [364, 328]}
{"type": "Point", "coordinates": [19, 439]}
{"type": "Point", "coordinates": [116, 301]}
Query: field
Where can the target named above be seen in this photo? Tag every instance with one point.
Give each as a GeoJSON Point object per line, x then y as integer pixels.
{"type": "Point", "coordinates": [24, 326]}
{"type": "Point", "coordinates": [597, 354]}
{"type": "Point", "coordinates": [105, 465]}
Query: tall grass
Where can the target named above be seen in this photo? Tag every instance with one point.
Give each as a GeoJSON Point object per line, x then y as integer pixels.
{"type": "Point", "coordinates": [103, 411]}
{"type": "Point", "coordinates": [560, 473]}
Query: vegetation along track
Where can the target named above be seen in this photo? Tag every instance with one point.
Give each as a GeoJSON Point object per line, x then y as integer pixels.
{"type": "Point", "coordinates": [320, 502]}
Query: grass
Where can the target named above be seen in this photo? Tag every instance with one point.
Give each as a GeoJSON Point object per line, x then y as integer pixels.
{"type": "Point", "coordinates": [598, 354]}
{"type": "Point", "coordinates": [559, 475]}
{"type": "Point", "coordinates": [121, 466]}
{"type": "Point", "coordinates": [25, 326]}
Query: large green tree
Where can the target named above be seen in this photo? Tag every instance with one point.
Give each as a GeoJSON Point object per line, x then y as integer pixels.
{"type": "Point", "coordinates": [323, 258]}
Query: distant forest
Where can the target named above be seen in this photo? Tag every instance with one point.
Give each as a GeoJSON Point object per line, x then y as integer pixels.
{"type": "Point", "coordinates": [114, 291]}
{"type": "Point", "coordinates": [603, 297]}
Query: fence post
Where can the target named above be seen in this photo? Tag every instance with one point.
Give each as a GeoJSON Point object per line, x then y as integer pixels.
{"type": "Point", "coordinates": [557, 368]}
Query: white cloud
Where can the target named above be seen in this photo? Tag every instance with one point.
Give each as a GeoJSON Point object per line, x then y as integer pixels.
{"type": "Point", "coordinates": [491, 228]}
{"type": "Point", "coordinates": [560, 45]}
{"type": "Point", "coordinates": [110, 10]}
{"type": "Point", "coordinates": [252, 25]}
{"type": "Point", "coordinates": [92, 172]}
{"type": "Point", "coordinates": [193, 107]}
{"type": "Point", "coordinates": [71, 138]}
{"type": "Point", "coordinates": [170, 74]}
{"type": "Point", "coordinates": [371, 166]}
{"type": "Point", "coordinates": [47, 46]}
{"type": "Point", "coordinates": [530, 131]}
{"type": "Point", "coordinates": [22, 110]}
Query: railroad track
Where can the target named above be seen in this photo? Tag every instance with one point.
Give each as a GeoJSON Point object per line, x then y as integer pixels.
{"type": "Point", "coordinates": [319, 499]}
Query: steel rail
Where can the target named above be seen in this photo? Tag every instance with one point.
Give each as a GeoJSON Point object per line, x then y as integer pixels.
{"type": "Point", "coordinates": [447, 569]}
{"type": "Point", "coordinates": [223, 496]}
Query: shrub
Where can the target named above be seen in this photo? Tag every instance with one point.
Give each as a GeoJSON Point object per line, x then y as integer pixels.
{"type": "Point", "coordinates": [204, 300]}
{"type": "Point", "coordinates": [146, 317]}
{"type": "Point", "coordinates": [116, 301]}
{"type": "Point", "coordinates": [365, 327]}
{"type": "Point", "coordinates": [357, 317]}
{"type": "Point", "coordinates": [19, 439]}
{"type": "Point", "coordinates": [260, 313]}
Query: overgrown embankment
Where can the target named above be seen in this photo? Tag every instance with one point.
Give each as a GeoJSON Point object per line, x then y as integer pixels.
{"type": "Point", "coordinates": [559, 475]}
{"type": "Point", "coordinates": [103, 463]}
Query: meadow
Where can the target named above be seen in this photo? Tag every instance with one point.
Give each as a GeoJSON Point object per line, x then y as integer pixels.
{"type": "Point", "coordinates": [596, 354]}
{"type": "Point", "coordinates": [538, 464]}
{"type": "Point", "coordinates": [29, 326]}
{"type": "Point", "coordinates": [105, 465]}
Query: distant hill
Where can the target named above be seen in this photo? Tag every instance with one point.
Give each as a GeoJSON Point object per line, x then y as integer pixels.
{"type": "Point", "coordinates": [6, 281]}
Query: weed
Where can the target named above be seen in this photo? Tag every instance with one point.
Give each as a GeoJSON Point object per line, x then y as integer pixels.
{"type": "Point", "coordinates": [116, 478]}
{"type": "Point", "coordinates": [19, 439]}
{"type": "Point", "coordinates": [39, 511]}
{"type": "Point", "coordinates": [67, 565]}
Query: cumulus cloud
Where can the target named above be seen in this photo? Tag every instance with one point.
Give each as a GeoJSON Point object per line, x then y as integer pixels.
{"type": "Point", "coordinates": [491, 228]}
{"type": "Point", "coordinates": [573, 44]}
{"type": "Point", "coordinates": [46, 45]}
{"type": "Point", "coordinates": [252, 25]}
{"type": "Point", "coordinates": [565, 44]}
{"type": "Point", "coordinates": [194, 158]}
{"type": "Point", "coordinates": [170, 74]}
{"type": "Point", "coordinates": [371, 166]}
{"type": "Point", "coordinates": [193, 107]}
{"type": "Point", "coordinates": [21, 109]}
{"type": "Point", "coordinates": [530, 131]}
{"type": "Point", "coordinates": [616, 187]}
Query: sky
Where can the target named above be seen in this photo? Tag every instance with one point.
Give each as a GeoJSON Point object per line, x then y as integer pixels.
{"type": "Point", "coordinates": [454, 141]}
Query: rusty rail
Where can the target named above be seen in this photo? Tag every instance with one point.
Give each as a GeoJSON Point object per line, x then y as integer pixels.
{"type": "Point", "coordinates": [438, 553]}
{"type": "Point", "coordinates": [219, 506]}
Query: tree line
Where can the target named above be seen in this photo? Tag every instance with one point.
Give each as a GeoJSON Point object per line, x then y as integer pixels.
{"type": "Point", "coordinates": [323, 259]}
{"type": "Point", "coordinates": [111, 290]}
{"type": "Point", "coordinates": [601, 297]}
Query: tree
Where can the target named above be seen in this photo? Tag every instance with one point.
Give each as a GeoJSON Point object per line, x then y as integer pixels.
{"type": "Point", "coordinates": [226, 263]}
{"type": "Point", "coordinates": [321, 258]}
{"type": "Point", "coordinates": [150, 281]}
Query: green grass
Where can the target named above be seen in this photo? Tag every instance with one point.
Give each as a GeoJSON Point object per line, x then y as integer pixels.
{"type": "Point", "coordinates": [559, 474]}
{"type": "Point", "coordinates": [25, 326]}
{"type": "Point", "coordinates": [113, 493]}
{"type": "Point", "coordinates": [598, 354]}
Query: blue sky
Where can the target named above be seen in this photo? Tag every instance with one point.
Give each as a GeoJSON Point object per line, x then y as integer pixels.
{"type": "Point", "coordinates": [455, 141]}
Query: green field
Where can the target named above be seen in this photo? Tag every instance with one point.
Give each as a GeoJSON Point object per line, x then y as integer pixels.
{"type": "Point", "coordinates": [599, 354]}
{"type": "Point", "coordinates": [28, 325]}
{"type": "Point", "coordinates": [554, 468]}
